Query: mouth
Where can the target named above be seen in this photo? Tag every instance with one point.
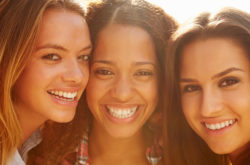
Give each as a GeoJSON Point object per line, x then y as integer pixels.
{"type": "Point", "coordinates": [220, 125]}
{"type": "Point", "coordinates": [64, 96]}
{"type": "Point", "coordinates": [121, 113]}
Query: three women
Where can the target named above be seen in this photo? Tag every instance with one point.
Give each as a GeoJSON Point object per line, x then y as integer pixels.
{"type": "Point", "coordinates": [206, 69]}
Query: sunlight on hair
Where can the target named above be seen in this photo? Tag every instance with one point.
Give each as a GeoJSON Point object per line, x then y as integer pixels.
{"type": "Point", "coordinates": [182, 10]}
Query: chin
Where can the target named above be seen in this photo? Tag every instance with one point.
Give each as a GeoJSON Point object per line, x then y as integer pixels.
{"type": "Point", "coordinates": [221, 149]}
{"type": "Point", "coordinates": [64, 118]}
{"type": "Point", "coordinates": [121, 134]}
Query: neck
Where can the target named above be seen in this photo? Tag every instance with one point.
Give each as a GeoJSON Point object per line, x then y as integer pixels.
{"type": "Point", "coordinates": [105, 149]}
{"type": "Point", "coordinates": [29, 122]}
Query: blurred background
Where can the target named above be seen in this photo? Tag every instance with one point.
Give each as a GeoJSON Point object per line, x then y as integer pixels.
{"type": "Point", "coordinates": [182, 10]}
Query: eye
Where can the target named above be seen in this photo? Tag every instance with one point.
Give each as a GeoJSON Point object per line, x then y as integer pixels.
{"type": "Point", "coordinates": [51, 57]}
{"type": "Point", "coordinates": [103, 72]}
{"type": "Point", "coordinates": [143, 73]}
{"type": "Point", "coordinates": [229, 81]}
{"type": "Point", "coordinates": [84, 57]}
{"type": "Point", "coordinates": [191, 88]}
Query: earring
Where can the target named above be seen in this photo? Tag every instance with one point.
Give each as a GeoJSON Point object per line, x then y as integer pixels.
{"type": "Point", "coordinates": [154, 152]}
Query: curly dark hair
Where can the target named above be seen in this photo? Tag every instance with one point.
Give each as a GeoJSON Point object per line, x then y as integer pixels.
{"type": "Point", "coordinates": [139, 13]}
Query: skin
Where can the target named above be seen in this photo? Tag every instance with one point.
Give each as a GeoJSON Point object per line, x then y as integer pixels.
{"type": "Point", "coordinates": [123, 75]}
{"type": "Point", "coordinates": [59, 63]}
{"type": "Point", "coordinates": [215, 88]}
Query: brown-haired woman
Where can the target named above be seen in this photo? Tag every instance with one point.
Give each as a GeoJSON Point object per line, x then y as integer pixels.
{"type": "Point", "coordinates": [208, 80]}
{"type": "Point", "coordinates": [44, 52]}
{"type": "Point", "coordinates": [127, 67]}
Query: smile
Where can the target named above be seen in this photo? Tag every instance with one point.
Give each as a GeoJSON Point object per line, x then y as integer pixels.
{"type": "Point", "coordinates": [65, 96]}
{"type": "Point", "coordinates": [217, 126]}
{"type": "Point", "coordinates": [121, 113]}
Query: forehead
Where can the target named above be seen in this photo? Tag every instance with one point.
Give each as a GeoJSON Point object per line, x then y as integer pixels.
{"type": "Point", "coordinates": [63, 27]}
{"type": "Point", "coordinates": [61, 15]}
{"type": "Point", "coordinates": [124, 41]}
{"type": "Point", "coordinates": [211, 55]}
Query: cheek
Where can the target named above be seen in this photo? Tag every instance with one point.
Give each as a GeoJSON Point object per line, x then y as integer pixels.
{"type": "Point", "coordinates": [94, 92]}
{"type": "Point", "coordinates": [31, 78]}
{"type": "Point", "coordinates": [41, 73]}
{"type": "Point", "coordinates": [150, 93]}
{"type": "Point", "coordinates": [186, 105]}
{"type": "Point", "coordinates": [37, 77]}
{"type": "Point", "coordinates": [29, 85]}
{"type": "Point", "coordinates": [238, 99]}
{"type": "Point", "coordinates": [190, 107]}
{"type": "Point", "coordinates": [85, 71]}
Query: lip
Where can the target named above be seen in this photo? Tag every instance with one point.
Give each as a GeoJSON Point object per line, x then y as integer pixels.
{"type": "Point", "coordinates": [218, 132]}
{"type": "Point", "coordinates": [214, 121]}
{"type": "Point", "coordinates": [124, 120]}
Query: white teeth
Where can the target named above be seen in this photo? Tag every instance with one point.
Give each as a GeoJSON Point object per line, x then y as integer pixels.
{"type": "Point", "coordinates": [220, 125]}
{"type": "Point", "coordinates": [64, 95]}
{"type": "Point", "coordinates": [121, 113]}
{"type": "Point", "coordinates": [217, 126]}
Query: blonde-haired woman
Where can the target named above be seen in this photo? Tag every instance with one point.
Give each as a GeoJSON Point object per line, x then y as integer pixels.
{"type": "Point", "coordinates": [44, 51]}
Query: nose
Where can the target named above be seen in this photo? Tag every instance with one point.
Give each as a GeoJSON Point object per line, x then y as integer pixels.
{"type": "Point", "coordinates": [211, 105]}
{"type": "Point", "coordinates": [122, 89]}
{"type": "Point", "coordinates": [73, 72]}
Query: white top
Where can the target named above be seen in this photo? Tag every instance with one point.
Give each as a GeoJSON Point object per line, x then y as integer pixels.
{"type": "Point", "coordinates": [20, 157]}
{"type": "Point", "coordinates": [16, 160]}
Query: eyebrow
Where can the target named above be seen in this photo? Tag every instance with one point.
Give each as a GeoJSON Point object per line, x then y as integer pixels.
{"type": "Point", "coordinates": [103, 62]}
{"type": "Point", "coordinates": [215, 76]}
{"type": "Point", "coordinates": [145, 63]}
{"type": "Point", "coordinates": [59, 47]}
{"type": "Point", "coordinates": [136, 63]}
{"type": "Point", "coordinates": [226, 72]}
{"type": "Point", "coordinates": [86, 48]}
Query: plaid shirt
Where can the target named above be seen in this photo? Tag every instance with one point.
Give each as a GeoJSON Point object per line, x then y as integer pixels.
{"type": "Point", "coordinates": [153, 153]}
{"type": "Point", "coordinates": [82, 157]}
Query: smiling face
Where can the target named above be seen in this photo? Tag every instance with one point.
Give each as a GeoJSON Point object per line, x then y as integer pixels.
{"type": "Point", "coordinates": [215, 90]}
{"type": "Point", "coordinates": [57, 73]}
{"type": "Point", "coordinates": [122, 91]}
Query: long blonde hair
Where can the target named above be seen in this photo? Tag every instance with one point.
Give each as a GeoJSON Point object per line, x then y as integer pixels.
{"type": "Point", "coordinates": [19, 22]}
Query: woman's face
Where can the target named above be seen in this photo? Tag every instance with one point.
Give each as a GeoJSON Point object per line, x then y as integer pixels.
{"type": "Point", "coordinates": [57, 73]}
{"type": "Point", "coordinates": [215, 90]}
{"type": "Point", "coordinates": [122, 92]}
